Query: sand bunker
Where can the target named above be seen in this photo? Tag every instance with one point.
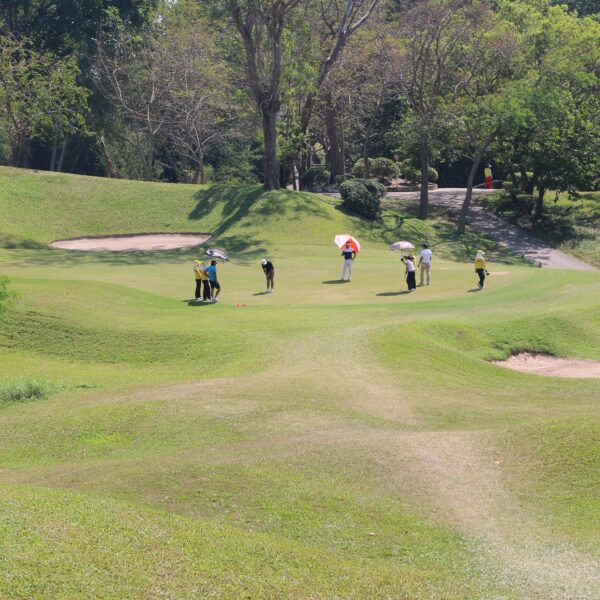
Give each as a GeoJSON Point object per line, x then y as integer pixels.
{"type": "Point", "coordinates": [543, 364]}
{"type": "Point", "coordinates": [133, 243]}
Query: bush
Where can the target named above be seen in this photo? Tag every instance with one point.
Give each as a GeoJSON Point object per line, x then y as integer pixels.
{"type": "Point", "coordinates": [383, 167]}
{"type": "Point", "coordinates": [411, 173]}
{"type": "Point", "coordinates": [315, 175]}
{"type": "Point", "coordinates": [339, 179]}
{"type": "Point", "coordinates": [24, 390]}
{"type": "Point", "coordinates": [374, 187]}
{"type": "Point", "coordinates": [363, 197]}
{"type": "Point", "coordinates": [358, 170]}
{"type": "Point", "coordinates": [432, 175]}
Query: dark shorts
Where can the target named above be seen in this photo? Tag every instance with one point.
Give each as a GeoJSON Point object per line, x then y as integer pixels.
{"type": "Point", "coordinates": [214, 285]}
{"type": "Point", "coordinates": [270, 275]}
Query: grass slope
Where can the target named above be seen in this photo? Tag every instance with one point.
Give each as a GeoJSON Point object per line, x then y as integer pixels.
{"type": "Point", "coordinates": [329, 440]}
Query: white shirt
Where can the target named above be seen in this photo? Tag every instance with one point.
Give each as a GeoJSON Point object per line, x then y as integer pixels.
{"type": "Point", "coordinates": [426, 256]}
{"type": "Point", "coordinates": [409, 265]}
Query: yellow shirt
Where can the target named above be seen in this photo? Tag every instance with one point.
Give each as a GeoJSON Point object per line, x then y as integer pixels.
{"type": "Point", "coordinates": [199, 273]}
{"type": "Point", "coordinates": [480, 264]}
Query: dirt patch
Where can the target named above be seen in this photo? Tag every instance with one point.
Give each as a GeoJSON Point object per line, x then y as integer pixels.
{"type": "Point", "coordinates": [543, 364]}
{"type": "Point", "coordinates": [139, 242]}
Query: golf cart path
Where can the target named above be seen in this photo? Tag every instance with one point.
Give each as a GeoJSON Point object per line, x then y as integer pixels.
{"type": "Point", "coordinates": [511, 236]}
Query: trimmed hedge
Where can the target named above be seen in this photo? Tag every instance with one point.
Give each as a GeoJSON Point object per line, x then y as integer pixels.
{"type": "Point", "coordinates": [315, 175]}
{"type": "Point", "coordinates": [383, 167]}
{"type": "Point", "coordinates": [363, 196]}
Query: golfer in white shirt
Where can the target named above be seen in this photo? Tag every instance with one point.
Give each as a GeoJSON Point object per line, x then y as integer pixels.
{"type": "Point", "coordinates": [425, 263]}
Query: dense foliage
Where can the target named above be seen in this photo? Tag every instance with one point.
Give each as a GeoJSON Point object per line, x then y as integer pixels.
{"type": "Point", "coordinates": [304, 93]}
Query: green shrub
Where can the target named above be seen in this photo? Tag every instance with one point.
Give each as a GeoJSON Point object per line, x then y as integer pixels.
{"type": "Point", "coordinates": [432, 175]}
{"type": "Point", "coordinates": [23, 390]}
{"type": "Point", "coordinates": [383, 167]}
{"type": "Point", "coordinates": [358, 170]}
{"type": "Point", "coordinates": [362, 197]}
{"type": "Point", "coordinates": [411, 173]}
{"type": "Point", "coordinates": [339, 179]}
{"type": "Point", "coordinates": [315, 175]}
{"type": "Point", "coordinates": [374, 187]}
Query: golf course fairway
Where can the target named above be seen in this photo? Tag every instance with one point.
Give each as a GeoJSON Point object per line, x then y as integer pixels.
{"type": "Point", "coordinates": [325, 441]}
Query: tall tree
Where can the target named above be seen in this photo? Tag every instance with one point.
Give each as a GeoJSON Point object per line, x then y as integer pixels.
{"type": "Point", "coordinates": [434, 59]}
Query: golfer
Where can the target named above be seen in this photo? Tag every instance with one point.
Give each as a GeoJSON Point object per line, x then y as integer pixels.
{"type": "Point", "coordinates": [205, 282]}
{"type": "Point", "coordinates": [411, 278]}
{"type": "Point", "coordinates": [349, 255]}
{"type": "Point", "coordinates": [269, 271]}
{"type": "Point", "coordinates": [198, 276]}
{"type": "Point", "coordinates": [215, 288]}
{"type": "Point", "coordinates": [425, 263]}
{"type": "Point", "coordinates": [489, 180]}
{"type": "Point", "coordinates": [480, 268]}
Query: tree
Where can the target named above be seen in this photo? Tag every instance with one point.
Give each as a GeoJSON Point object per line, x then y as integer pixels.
{"type": "Point", "coordinates": [556, 147]}
{"type": "Point", "coordinates": [434, 60]}
{"type": "Point", "coordinates": [38, 92]}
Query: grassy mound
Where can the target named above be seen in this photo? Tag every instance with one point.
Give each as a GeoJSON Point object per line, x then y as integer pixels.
{"type": "Point", "coordinates": [327, 440]}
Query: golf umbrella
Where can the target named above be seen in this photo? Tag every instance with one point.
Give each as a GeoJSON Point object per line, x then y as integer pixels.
{"type": "Point", "coordinates": [402, 246]}
{"type": "Point", "coordinates": [340, 242]}
{"type": "Point", "coordinates": [219, 254]}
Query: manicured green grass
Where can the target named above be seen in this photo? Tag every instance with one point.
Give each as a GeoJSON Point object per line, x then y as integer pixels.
{"type": "Point", "coordinates": [325, 441]}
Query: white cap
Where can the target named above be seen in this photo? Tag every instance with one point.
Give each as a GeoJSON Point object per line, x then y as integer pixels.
{"type": "Point", "coordinates": [264, 261]}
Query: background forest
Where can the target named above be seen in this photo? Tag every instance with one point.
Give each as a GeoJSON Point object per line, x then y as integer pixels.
{"type": "Point", "coordinates": [304, 92]}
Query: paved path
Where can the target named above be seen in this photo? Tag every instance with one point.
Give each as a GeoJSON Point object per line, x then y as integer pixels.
{"type": "Point", "coordinates": [515, 238]}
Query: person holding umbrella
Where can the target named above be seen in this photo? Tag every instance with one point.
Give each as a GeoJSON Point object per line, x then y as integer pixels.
{"type": "Point", "coordinates": [269, 271]}
{"type": "Point", "coordinates": [411, 279]}
{"type": "Point", "coordinates": [425, 263]}
{"type": "Point", "coordinates": [349, 255]}
{"type": "Point", "coordinates": [480, 268]}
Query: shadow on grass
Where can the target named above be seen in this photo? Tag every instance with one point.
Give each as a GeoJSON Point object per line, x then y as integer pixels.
{"type": "Point", "coordinates": [196, 304]}
{"type": "Point", "coordinates": [386, 294]}
{"type": "Point", "coordinates": [335, 281]}
{"type": "Point", "coordinates": [474, 290]}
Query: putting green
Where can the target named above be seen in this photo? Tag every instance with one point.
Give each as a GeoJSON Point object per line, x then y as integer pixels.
{"type": "Point", "coordinates": [327, 440]}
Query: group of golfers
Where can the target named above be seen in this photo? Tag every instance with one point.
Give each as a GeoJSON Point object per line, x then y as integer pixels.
{"type": "Point", "coordinates": [208, 287]}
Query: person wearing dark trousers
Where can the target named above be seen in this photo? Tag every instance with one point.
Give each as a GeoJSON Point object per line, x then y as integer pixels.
{"type": "Point", "coordinates": [480, 268]}
{"type": "Point", "coordinates": [269, 271]}
{"type": "Point", "coordinates": [411, 279]}
{"type": "Point", "coordinates": [198, 276]}
{"type": "Point", "coordinates": [206, 293]}
{"type": "Point", "coordinates": [215, 287]}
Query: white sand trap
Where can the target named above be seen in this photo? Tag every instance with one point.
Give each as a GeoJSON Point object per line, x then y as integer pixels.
{"type": "Point", "coordinates": [133, 243]}
{"type": "Point", "coordinates": [543, 364]}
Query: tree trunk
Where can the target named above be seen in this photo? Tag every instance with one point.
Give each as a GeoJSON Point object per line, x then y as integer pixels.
{"type": "Point", "coordinates": [61, 158]}
{"type": "Point", "coordinates": [26, 153]}
{"type": "Point", "coordinates": [539, 203]}
{"type": "Point", "coordinates": [366, 152]}
{"type": "Point", "coordinates": [149, 166]}
{"type": "Point", "coordinates": [424, 199]}
{"type": "Point", "coordinates": [55, 147]}
{"type": "Point", "coordinates": [111, 170]}
{"type": "Point", "coordinates": [271, 171]}
{"type": "Point", "coordinates": [335, 152]}
{"type": "Point", "coordinates": [464, 209]}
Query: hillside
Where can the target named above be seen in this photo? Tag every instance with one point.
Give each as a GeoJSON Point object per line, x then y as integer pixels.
{"type": "Point", "coordinates": [325, 441]}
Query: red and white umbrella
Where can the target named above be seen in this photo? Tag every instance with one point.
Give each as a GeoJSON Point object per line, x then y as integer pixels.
{"type": "Point", "coordinates": [341, 240]}
{"type": "Point", "coordinates": [402, 246]}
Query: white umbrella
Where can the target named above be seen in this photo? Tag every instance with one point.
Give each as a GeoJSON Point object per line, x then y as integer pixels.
{"type": "Point", "coordinates": [402, 246]}
{"type": "Point", "coordinates": [214, 253]}
{"type": "Point", "coordinates": [340, 242]}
